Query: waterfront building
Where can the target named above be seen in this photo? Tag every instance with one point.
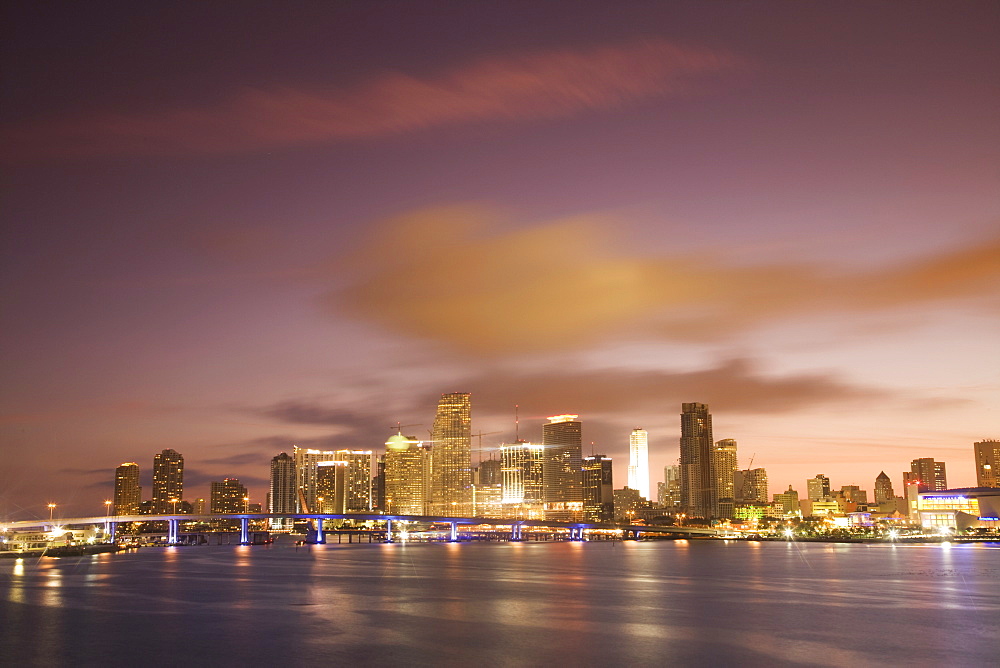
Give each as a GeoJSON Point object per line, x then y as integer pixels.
{"type": "Point", "coordinates": [638, 462]}
{"type": "Point", "coordinates": [306, 470]}
{"type": "Point", "coordinates": [628, 503]}
{"type": "Point", "coordinates": [723, 470]}
{"type": "Point", "coordinates": [281, 497]}
{"type": "Point", "coordinates": [750, 486]}
{"type": "Point", "coordinates": [788, 501]}
{"type": "Point", "coordinates": [522, 484]}
{"type": "Point", "coordinates": [451, 451]}
{"type": "Point", "coordinates": [407, 473]}
{"type": "Point", "coordinates": [987, 455]}
{"type": "Point", "coordinates": [698, 496]}
{"type": "Point", "coordinates": [228, 496]}
{"type": "Point", "coordinates": [199, 507]}
{"type": "Point", "coordinates": [818, 487]}
{"type": "Point", "coordinates": [561, 468]}
{"type": "Point", "coordinates": [668, 492]}
{"type": "Point", "coordinates": [168, 480]}
{"type": "Point", "coordinates": [960, 509]}
{"type": "Point", "coordinates": [358, 481]}
{"type": "Point", "coordinates": [128, 493]}
{"type": "Point", "coordinates": [930, 474]}
{"type": "Point", "coordinates": [598, 488]}
{"type": "Point", "coordinates": [824, 507]}
{"type": "Point", "coordinates": [487, 489]}
{"type": "Point", "coordinates": [489, 472]}
{"type": "Point", "coordinates": [378, 484]}
{"type": "Point", "coordinates": [332, 487]}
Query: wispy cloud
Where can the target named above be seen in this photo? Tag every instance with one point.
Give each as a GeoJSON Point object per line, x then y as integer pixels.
{"type": "Point", "coordinates": [463, 277]}
{"type": "Point", "coordinates": [539, 85]}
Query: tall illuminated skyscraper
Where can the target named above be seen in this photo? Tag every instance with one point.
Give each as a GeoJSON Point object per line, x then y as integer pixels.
{"type": "Point", "coordinates": [168, 480]}
{"type": "Point", "coordinates": [561, 467]}
{"type": "Point", "coordinates": [306, 462]}
{"type": "Point", "coordinates": [750, 485]}
{"type": "Point", "coordinates": [697, 489]}
{"type": "Point", "coordinates": [723, 470]}
{"type": "Point", "coordinates": [331, 487]}
{"type": "Point", "coordinates": [987, 455]}
{"type": "Point", "coordinates": [818, 487]}
{"type": "Point", "coordinates": [883, 489]}
{"type": "Point", "coordinates": [598, 489]}
{"type": "Point", "coordinates": [128, 493]}
{"type": "Point", "coordinates": [227, 496]}
{"type": "Point", "coordinates": [638, 462]}
{"type": "Point", "coordinates": [281, 496]}
{"type": "Point", "coordinates": [451, 456]}
{"type": "Point", "coordinates": [521, 467]}
{"type": "Point", "coordinates": [406, 476]}
{"type": "Point", "coordinates": [358, 490]}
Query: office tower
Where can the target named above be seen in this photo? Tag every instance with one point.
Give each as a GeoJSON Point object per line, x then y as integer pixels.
{"type": "Point", "coordinates": [406, 476]}
{"type": "Point", "coordinates": [228, 496]}
{"type": "Point", "coordinates": [562, 440]}
{"type": "Point", "coordinates": [522, 484]}
{"type": "Point", "coordinates": [929, 474]}
{"type": "Point", "coordinates": [451, 456]}
{"type": "Point", "coordinates": [128, 493]}
{"type": "Point", "coordinates": [281, 496]}
{"type": "Point", "coordinates": [168, 480]}
{"type": "Point", "coordinates": [697, 489]}
{"type": "Point", "coordinates": [199, 507]}
{"type": "Point", "coordinates": [638, 461]}
{"type": "Point", "coordinates": [854, 494]}
{"type": "Point", "coordinates": [378, 484]}
{"type": "Point", "coordinates": [987, 454]}
{"type": "Point", "coordinates": [723, 470]}
{"type": "Point", "coordinates": [306, 463]}
{"type": "Point", "coordinates": [750, 486]}
{"type": "Point", "coordinates": [598, 488]}
{"type": "Point", "coordinates": [487, 489]}
{"type": "Point", "coordinates": [883, 490]}
{"type": "Point", "coordinates": [669, 491]}
{"type": "Point", "coordinates": [818, 487]}
{"type": "Point", "coordinates": [489, 472]}
{"type": "Point", "coordinates": [789, 502]}
{"type": "Point", "coordinates": [331, 487]}
{"type": "Point", "coordinates": [358, 481]}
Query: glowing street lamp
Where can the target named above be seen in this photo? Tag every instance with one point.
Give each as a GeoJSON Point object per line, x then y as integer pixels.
{"type": "Point", "coordinates": [107, 508]}
{"type": "Point", "coordinates": [174, 501]}
{"type": "Point", "coordinates": [52, 507]}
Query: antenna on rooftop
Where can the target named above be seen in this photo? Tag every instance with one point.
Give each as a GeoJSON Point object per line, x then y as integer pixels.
{"type": "Point", "coordinates": [517, 425]}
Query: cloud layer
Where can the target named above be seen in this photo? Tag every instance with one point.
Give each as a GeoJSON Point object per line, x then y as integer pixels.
{"type": "Point", "coordinates": [465, 278]}
{"type": "Point", "coordinates": [532, 86]}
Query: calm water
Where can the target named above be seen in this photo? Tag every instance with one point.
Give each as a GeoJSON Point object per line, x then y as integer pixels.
{"type": "Point", "coordinates": [655, 603]}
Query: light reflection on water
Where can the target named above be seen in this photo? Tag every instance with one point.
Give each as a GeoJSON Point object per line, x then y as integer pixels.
{"type": "Point", "coordinates": [532, 603]}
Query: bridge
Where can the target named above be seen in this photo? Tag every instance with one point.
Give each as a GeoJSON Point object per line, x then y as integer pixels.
{"type": "Point", "coordinates": [577, 530]}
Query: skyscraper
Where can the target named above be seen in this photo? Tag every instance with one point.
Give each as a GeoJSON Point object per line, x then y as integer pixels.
{"type": "Point", "coordinates": [750, 485]}
{"type": "Point", "coordinates": [451, 452]}
{"type": "Point", "coordinates": [306, 462]}
{"type": "Point", "coordinates": [128, 493]}
{"type": "Point", "coordinates": [598, 488]}
{"type": "Point", "coordinates": [281, 496]}
{"type": "Point", "coordinates": [358, 489]}
{"type": "Point", "coordinates": [987, 455]}
{"type": "Point", "coordinates": [669, 491]}
{"type": "Point", "coordinates": [228, 496]}
{"type": "Point", "coordinates": [883, 490]}
{"type": "Point", "coordinates": [697, 493]}
{"type": "Point", "coordinates": [406, 476]}
{"type": "Point", "coordinates": [638, 462]}
{"type": "Point", "coordinates": [723, 470]}
{"type": "Point", "coordinates": [930, 474]}
{"type": "Point", "coordinates": [561, 468]}
{"type": "Point", "coordinates": [818, 487]}
{"type": "Point", "coordinates": [522, 484]}
{"type": "Point", "coordinates": [331, 487]}
{"type": "Point", "coordinates": [168, 480]}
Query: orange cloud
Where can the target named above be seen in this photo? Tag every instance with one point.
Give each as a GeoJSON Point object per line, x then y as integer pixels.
{"type": "Point", "coordinates": [540, 85]}
{"type": "Point", "coordinates": [456, 275]}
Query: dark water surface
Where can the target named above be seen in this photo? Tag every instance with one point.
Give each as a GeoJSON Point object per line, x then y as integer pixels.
{"type": "Point", "coordinates": [555, 604]}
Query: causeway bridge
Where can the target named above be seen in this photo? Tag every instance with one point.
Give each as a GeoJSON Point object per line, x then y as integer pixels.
{"type": "Point", "coordinates": [576, 530]}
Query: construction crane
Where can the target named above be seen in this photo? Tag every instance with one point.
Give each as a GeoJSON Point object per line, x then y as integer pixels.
{"type": "Point", "coordinates": [746, 478]}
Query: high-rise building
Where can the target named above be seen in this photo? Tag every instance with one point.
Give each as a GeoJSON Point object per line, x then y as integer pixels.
{"type": "Point", "coordinates": [228, 496]}
{"type": "Point", "coordinates": [331, 487]}
{"type": "Point", "coordinates": [378, 484]}
{"type": "Point", "coordinates": [697, 489]}
{"type": "Point", "coordinates": [561, 468]}
{"type": "Point", "coordinates": [487, 489]}
{"type": "Point", "coordinates": [451, 453]}
{"type": "Point", "coordinates": [789, 502]}
{"type": "Point", "coordinates": [489, 472]}
{"type": "Point", "coordinates": [987, 454]}
{"type": "Point", "coordinates": [306, 470]}
{"type": "Point", "coordinates": [407, 470]}
{"type": "Point", "coordinates": [638, 462]}
{"type": "Point", "coordinates": [883, 490]}
{"type": "Point", "coordinates": [358, 482]}
{"type": "Point", "coordinates": [723, 470]}
{"type": "Point", "coordinates": [522, 485]}
{"type": "Point", "coordinates": [168, 480]}
{"type": "Point", "coordinates": [128, 493]}
{"type": "Point", "coordinates": [818, 487]}
{"type": "Point", "coordinates": [281, 496]}
{"type": "Point", "coordinates": [668, 492]}
{"type": "Point", "coordinates": [930, 474]}
{"type": "Point", "coordinates": [750, 486]}
{"type": "Point", "coordinates": [598, 488]}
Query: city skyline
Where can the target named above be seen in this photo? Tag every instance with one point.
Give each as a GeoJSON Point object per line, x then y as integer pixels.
{"type": "Point", "coordinates": [231, 233]}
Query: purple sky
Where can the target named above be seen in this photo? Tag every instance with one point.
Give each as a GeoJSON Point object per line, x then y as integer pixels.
{"type": "Point", "coordinates": [228, 230]}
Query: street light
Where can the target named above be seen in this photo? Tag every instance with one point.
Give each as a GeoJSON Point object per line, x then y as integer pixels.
{"type": "Point", "coordinates": [52, 507]}
{"type": "Point", "coordinates": [107, 509]}
{"type": "Point", "coordinates": [174, 501]}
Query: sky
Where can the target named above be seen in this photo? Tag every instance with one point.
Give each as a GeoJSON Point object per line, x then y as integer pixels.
{"type": "Point", "coordinates": [231, 229]}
